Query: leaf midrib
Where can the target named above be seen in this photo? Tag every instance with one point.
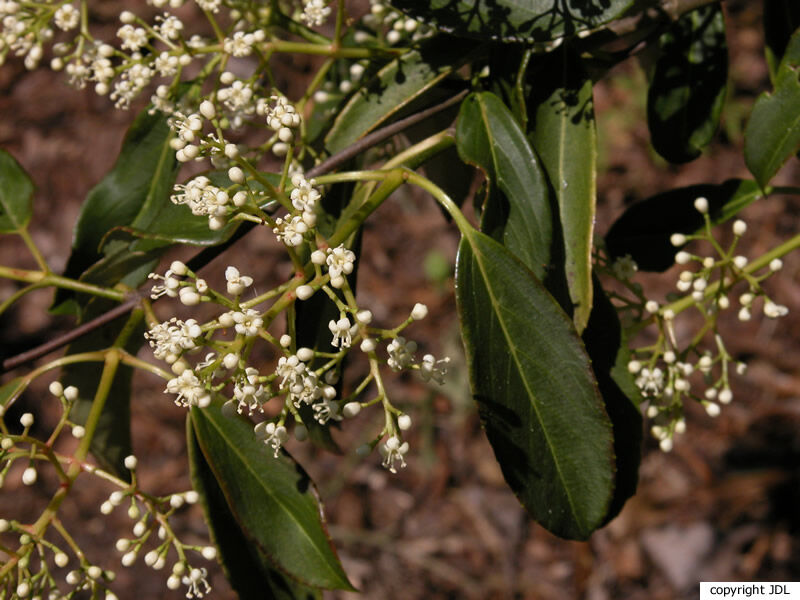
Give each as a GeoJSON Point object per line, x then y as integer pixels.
{"type": "Point", "coordinates": [285, 507]}
{"type": "Point", "coordinates": [513, 352]}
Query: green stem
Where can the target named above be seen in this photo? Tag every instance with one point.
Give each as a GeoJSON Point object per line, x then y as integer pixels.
{"type": "Point", "coordinates": [34, 249]}
{"type": "Point", "coordinates": [762, 261]}
{"type": "Point", "coordinates": [19, 294]}
{"type": "Point", "coordinates": [101, 395]}
{"type": "Point", "coordinates": [414, 156]}
{"type": "Point", "coordinates": [340, 14]}
{"type": "Point", "coordinates": [441, 196]}
{"type": "Point", "coordinates": [75, 468]}
{"type": "Point", "coordinates": [96, 356]}
{"type": "Point", "coordinates": [330, 50]}
{"type": "Point", "coordinates": [394, 179]}
{"type": "Point", "coordinates": [214, 26]}
{"type": "Point", "coordinates": [42, 279]}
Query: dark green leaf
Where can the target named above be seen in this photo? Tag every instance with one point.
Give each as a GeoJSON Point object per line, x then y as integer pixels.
{"type": "Point", "coordinates": [643, 231]}
{"type": "Point", "coordinates": [536, 394]}
{"type": "Point", "coordinates": [565, 139]}
{"type": "Point", "coordinates": [112, 439]}
{"type": "Point", "coordinates": [394, 87]}
{"type": "Point", "coordinates": [781, 19]}
{"type": "Point", "coordinates": [515, 20]}
{"type": "Point", "coordinates": [688, 86]}
{"type": "Point", "coordinates": [272, 499]}
{"type": "Point", "coordinates": [11, 390]}
{"type": "Point", "coordinates": [773, 131]}
{"type": "Point", "coordinates": [139, 183]}
{"type": "Point", "coordinates": [519, 216]}
{"type": "Point", "coordinates": [610, 355]}
{"type": "Point", "coordinates": [16, 193]}
{"type": "Point", "coordinates": [248, 570]}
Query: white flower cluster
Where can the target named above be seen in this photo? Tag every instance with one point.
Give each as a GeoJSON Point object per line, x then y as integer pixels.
{"type": "Point", "coordinates": [204, 199]}
{"type": "Point", "coordinates": [664, 373]}
{"type": "Point", "coordinates": [396, 25]}
{"type": "Point", "coordinates": [172, 338]}
{"type": "Point", "coordinates": [282, 117]}
{"type": "Point", "coordinates": [315, 12]}
{"type": "Point", "coordinates": [241, 43]}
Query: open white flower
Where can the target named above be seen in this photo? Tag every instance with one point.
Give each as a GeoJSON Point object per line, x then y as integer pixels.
{"type": "Point", "coordinates": [237, 283]}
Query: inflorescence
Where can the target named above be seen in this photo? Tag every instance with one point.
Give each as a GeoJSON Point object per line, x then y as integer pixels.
{"type": "Point", "coordinates": [671, 370]}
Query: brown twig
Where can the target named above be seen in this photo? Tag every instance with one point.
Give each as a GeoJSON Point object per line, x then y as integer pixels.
{"type": "Point", "coordinates": [24, 357]}
{"type": "Point", "coordinates": [205, 256]}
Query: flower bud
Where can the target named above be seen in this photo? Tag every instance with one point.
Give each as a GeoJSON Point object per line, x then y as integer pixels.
{"type": "Point", "coordinates": [207, 109]}
{"type": "Point", "coordinates": [231, 151]}
{"type": "Point", "coordinates": [677, 239]}
{"type": "Point", "coordinates": [682, 257]}
{"type": "Point", "coordinates": [701, 205]}
{"type": "Point", "coordinates": [29, 476]}
{"type": "Point", "coordinates": [236, 175]}
{"type": "Point", "coordinates": [419, 312]}
{"type": "Point", "coordinates": [304, 292]}
{"type": "Point", "coordinates": [351, 409]}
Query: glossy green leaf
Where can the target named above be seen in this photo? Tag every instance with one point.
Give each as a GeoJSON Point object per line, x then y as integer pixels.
{"type": "Point", "coordinates": [16, 195]}
{"type": "Point", "coordinates": [535, 390]}
{"type": "Point", "coordinates": [272, 499]}
{"type": "Point", "coordinates": [247, 569]}
{"type": "Point", "coordinates": [643, 231]}
{"type": "Point", "coordinates": [518, 212]}
{"type": "Point", "coordinates": [11, 390]}
{"type": "Point", "coordinates": [515, 20]}
{"type": "Point", "coordinates": [688, 85]}
{"type": "Point", "coordinates": [772, 134]}
{"type": "Point", "coordinates": [112, 439]}
{"type": "Point", "coordinates": [140, 181]}
{"type": "Point", "coordinates": [609, 352]}
{"type": "Point", "coordinates": [781, 20]}
{"type": "Point", "coordinates": [394, 87]}
{"type": "Point", "coordinates": [565, 138]}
